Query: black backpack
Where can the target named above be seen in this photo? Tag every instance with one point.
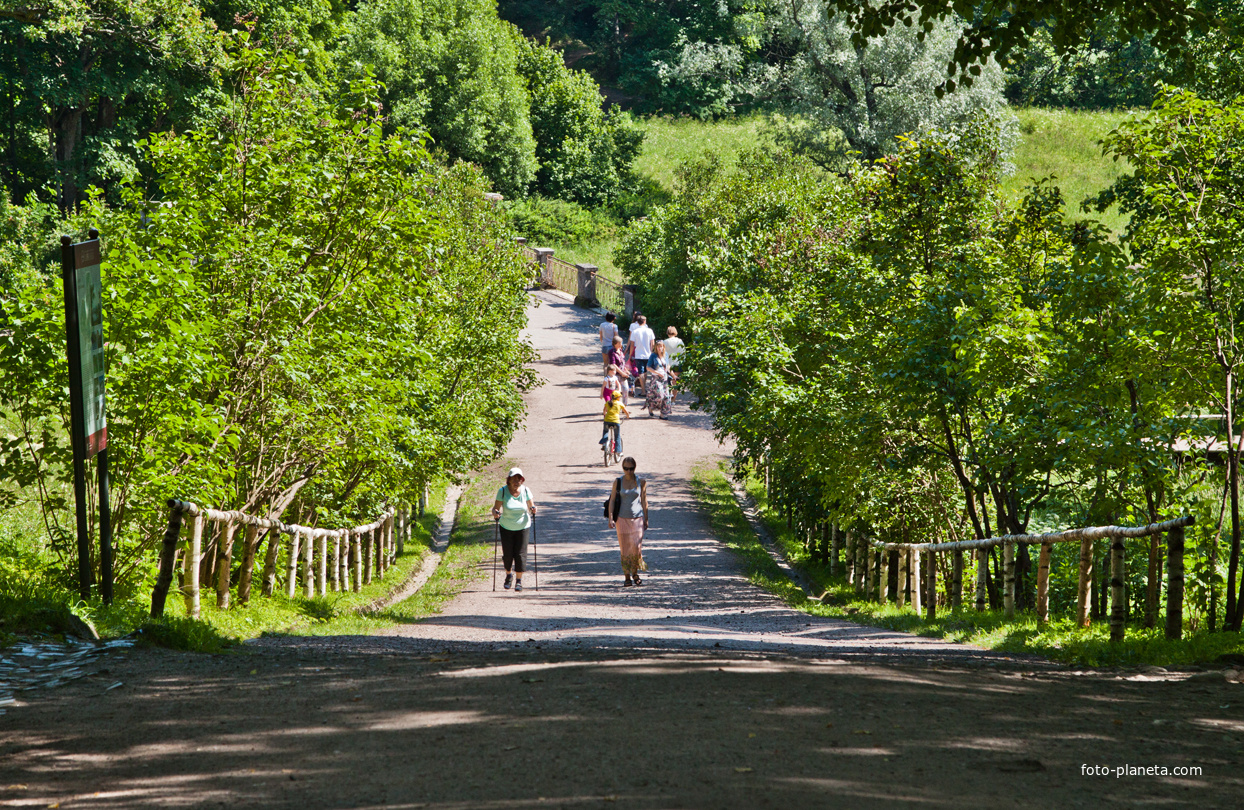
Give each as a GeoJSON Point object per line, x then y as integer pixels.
{"type": "Point", "coordinates": [617, 502]}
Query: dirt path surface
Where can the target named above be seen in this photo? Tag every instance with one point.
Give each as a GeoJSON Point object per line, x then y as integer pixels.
{"type": "Point", "coordinates": [695, 690]}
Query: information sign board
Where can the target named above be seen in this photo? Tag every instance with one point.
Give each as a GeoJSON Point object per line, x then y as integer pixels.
{"type": "Point", "coordinates": [91, 345]}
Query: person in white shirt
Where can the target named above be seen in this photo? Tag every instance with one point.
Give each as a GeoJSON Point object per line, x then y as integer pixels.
{"type": "Point", "coordinates": [608, 331]}
{"type": "Point", "coordinates": [642, 339]}
{"type": "Point", "coordinates": [674, 348]}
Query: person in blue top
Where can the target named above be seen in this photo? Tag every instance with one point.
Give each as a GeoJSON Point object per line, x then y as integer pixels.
{"type": "Point", "coordinates": [513, 510]}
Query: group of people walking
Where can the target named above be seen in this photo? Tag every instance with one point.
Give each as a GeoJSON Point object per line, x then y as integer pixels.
{"type": "Point", "coordinates": [644, 364]}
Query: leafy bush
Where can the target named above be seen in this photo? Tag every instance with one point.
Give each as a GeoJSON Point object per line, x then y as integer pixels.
{"type": "Point", "coordinates": [551, 222]}
{"type": "Point", "coordinates": [293, 316]}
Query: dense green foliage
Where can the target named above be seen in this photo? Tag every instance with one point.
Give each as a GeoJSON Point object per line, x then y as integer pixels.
{"type": "Point", "coordinates": [836, 98]}
{"type": "Point", "coordinates": [83, 83]}
{"type": "Point", "coordinates": [584, 153]}
{"type": "Point", "coordinates": [913, 356]}
{"type": "Point", "coordinates": [303, 313]}
{"type": "Point", "coordinates": [450, 67]}
{"type": "Point", "coordinates": [678, 57]}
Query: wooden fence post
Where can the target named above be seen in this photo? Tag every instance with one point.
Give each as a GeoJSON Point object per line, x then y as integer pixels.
{"type": "Point", "coordinates": [224, 563]}
{"type": "Point", "coordinates": [250, 542]}
{"type": "Point", "coordinates": [308, 565]}
{"type": "Point", "coordinates": [1008, 579]}
{"type": "Point", "coordinates": [291, 569]}
{"type": "Point", "coordinates": [982, 579]}
{"type": "Point", "coordinates": [917, 581]}
{"type": "Point", "coordinates": [400, 544]}
{"type": "Point", "coordinates": [848, 558]}
{"type": "Point", "coordinates": [270, 560]}
{"type": "Point", "coordinates": [1043, 584]}
{"type": "Point", "coordinates": [874, 573]}
{"type": "Point", "coordinates": [861, 565]}
{"type": "Point", "coordinates": [1085, 582]}
{"type": "Point", "coordinates": [956, 581]}
{"type": "Point", "coordinates": [883, 577]}
{"type": "Point", "coordinates": [190, 588]}
{"type": "Point", "coordinates": [356, 560]}
{"type": "Point", "coordinates": [1175, 583]}
{"type": "Point", "coordinates": [904, 571]}
{"type": "Point", "coordinates": [1118, 605]}
{"type": "Point", "coordinates": [1154, 585]}
{"type": "Point", "coordinates": [321, 571]}
{"type": "Point", "coordinates": [930, 589]}
{"type": "Point", "coordinates": [366, 543]}
{"type": "Point", "coordinates": [382, 549]}
{"type": "Point", "coordinates": [335, 574]}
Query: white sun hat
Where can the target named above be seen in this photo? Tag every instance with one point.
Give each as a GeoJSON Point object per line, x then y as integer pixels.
{"type": "Point", "coordinates": [515, 471]}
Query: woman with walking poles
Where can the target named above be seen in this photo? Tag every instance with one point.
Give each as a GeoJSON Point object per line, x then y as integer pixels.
{"type": "Point", "coordinates": [513, 511]}
{"type": "Point", "coordinates": [628, 513]}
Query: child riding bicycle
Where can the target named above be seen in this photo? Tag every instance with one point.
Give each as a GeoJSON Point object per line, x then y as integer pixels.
{"type": "Point", "coordinates": [614, 411]}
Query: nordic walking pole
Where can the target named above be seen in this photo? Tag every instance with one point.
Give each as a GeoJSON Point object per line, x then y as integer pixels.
{"type": "Point", "coordinates": [535, 554]}
{"type": "Point", "coordinates": [496, 538]}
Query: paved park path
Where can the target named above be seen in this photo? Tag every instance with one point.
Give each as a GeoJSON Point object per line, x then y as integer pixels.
{"type": "Point", "coordinates": [695, 690]}
{"type": "Point", "coordinates": [693, 594]}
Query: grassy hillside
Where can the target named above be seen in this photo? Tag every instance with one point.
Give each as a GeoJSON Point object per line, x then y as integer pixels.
{"type": "Point", "coordinates": [1065, 144]}
{"type": "Point", "coordinates": [671, 142]}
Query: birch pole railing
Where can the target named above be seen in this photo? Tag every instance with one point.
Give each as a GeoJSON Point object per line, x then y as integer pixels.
{"type": "Point", "coordinates": [324, 559]}
{"type": "Point", "coordinates": [874, 556]}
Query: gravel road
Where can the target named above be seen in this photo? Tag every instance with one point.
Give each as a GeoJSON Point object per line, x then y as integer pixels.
{"type": "Point", "coordinates": [695, 690]}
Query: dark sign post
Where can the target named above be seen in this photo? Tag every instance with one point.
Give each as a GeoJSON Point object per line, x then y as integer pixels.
{"type": "Point", "coordinates": [84, 332]}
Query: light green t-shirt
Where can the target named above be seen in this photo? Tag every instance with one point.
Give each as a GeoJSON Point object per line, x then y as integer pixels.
{"type": "Point", "coordinates": [514, 513]}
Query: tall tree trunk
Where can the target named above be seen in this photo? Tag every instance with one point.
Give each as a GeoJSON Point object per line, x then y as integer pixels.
{"type": "Point", "coordinates": [66, 125]}
{"type": "Point", "coordinates": [1231, 620]}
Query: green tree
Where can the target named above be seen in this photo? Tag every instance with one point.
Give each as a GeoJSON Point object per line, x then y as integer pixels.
{"type": "Point", "coordinates": [584, 153]}
{"type": "Point", "coordinates": [449, 67]}
{"type": "Point", "coordinates": [89, 78]}
{"type": "Point", "coordinates": [1183, 196]}
{"type": "Point", "coordinates": [304, 312]}
{"type": "Point", "coordinates": [841, 96]}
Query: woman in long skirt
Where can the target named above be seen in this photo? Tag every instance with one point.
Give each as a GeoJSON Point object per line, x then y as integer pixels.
{"type": "Point", "coordinates": [658, 377]}
{"type": "Point", "coordinates": [630, 493]}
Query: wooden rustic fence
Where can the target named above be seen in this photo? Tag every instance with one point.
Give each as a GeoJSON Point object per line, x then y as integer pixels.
{"type": "Point", "coordinates": [355, 557]}
{"type": "Point", "coordinates": [868, 571]}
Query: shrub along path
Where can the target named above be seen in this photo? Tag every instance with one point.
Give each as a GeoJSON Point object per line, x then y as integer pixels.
{"type": "Point", "coordinates": [694, 690]}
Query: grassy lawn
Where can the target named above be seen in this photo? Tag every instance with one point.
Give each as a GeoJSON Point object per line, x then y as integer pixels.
{"type": "Point", "coordinates": [597, 251]}
{"type": "Point", "coordinates": [671, 142]}
{"type": "Point", "coordinates": [1065, 144]}
{"type": "Point", "coordinates": [1059, 640]}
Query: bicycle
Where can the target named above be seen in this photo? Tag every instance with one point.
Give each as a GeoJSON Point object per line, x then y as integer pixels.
{"type": "Point", "coordinates": [612, 456]}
